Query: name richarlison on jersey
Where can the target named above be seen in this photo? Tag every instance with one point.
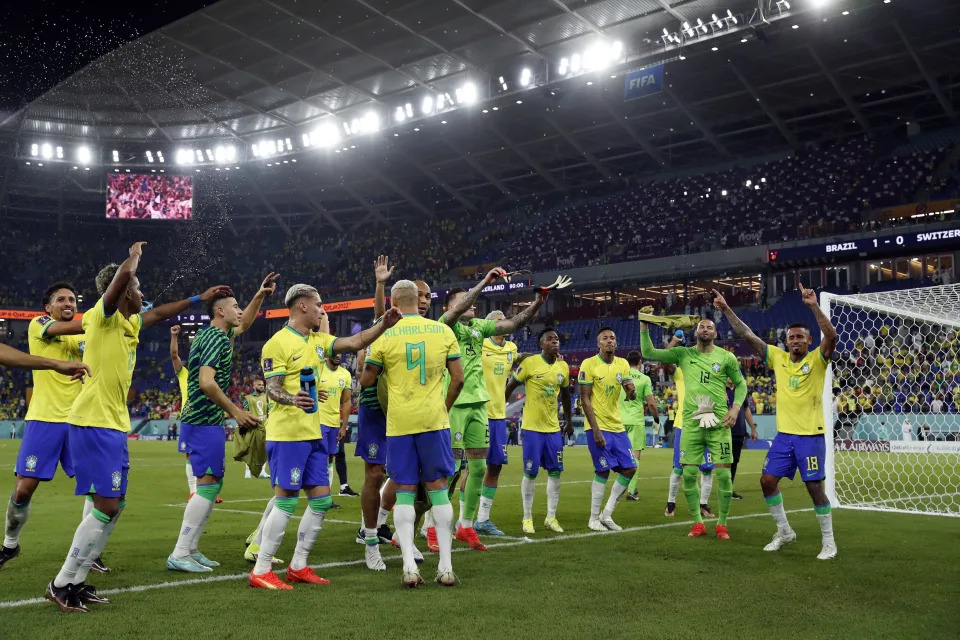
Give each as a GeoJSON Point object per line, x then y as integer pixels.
{"type": "Point", "coordinates": [414, 330]}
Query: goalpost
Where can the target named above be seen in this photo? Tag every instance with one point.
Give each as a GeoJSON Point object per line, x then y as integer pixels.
{"type": "Point", "coordinates": [891, 401]}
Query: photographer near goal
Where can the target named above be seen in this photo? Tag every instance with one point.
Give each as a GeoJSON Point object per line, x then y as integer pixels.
{"type": "Point", "coordinates": [800, 441]}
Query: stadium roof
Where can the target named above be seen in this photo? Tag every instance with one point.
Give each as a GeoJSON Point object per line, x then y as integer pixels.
{"type": "Point", "coordinates": [755, 77]}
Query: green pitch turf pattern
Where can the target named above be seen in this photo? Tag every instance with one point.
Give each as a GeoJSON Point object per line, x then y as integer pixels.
{"type": "Point", "coordinates": [896, 575]}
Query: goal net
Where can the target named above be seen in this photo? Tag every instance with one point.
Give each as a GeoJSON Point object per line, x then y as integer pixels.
{"type": "Point", "coordinates": [892, 401]}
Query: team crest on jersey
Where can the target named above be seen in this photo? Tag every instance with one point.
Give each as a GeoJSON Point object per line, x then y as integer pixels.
{"type": "Point", "coordinates": [716, 367]}
{"type": "Point", "coordinates": [82, 346]}
{"type": "Point", "coordinates": [458, 436]}
{"type": "Point", "coordinates": [805, 369]}
{"type": "Point", "coordinates": [603, 461]}
{"type": "Point", "coordinates": [559, 378]}
{"type": "Point", "coordinates": [340, 382]}
{"type": "Point", "coordinates": [510, 357]}
{"type": "Point", "coordinates": [115, 480]}
{"type": "Point", "coordinates": [320, 353]}
{"type": "Point", "coordinates": [475, 334]}
{"type": "Point", "coordinates": [295, 475]}
{"type": "Point", "coordinates": [529, 465]}
{"type": "Point", "coordinates": [372, 450]}
{"type": "Point", "coordinates": [31, 463]}
{"type": "Point", "coordinates": [619, 378]}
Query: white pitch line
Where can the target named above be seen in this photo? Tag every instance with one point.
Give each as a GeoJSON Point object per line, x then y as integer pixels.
{"type": "Point", "coordinates": [347, 563]}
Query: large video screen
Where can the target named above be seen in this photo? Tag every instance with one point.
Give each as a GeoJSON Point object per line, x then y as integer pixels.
{"type": "Point", "coordinates": [135, 196]}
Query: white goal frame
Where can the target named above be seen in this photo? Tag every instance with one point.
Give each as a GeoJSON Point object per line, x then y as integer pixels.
{"type": "Point", "coordinates": [828, 301]}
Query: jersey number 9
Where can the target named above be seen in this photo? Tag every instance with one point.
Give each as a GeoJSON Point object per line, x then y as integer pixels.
{"type": "Point", "coordinates": [418, 362]}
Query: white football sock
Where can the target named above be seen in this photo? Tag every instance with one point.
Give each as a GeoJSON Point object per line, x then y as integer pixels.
{"type": "Point", "coordinates": [443, 515]}
{"type": "Point", "coordinates": [675, 481]}
{"type": "Point", "coordinates": [272, 536]}
{"type": "Point", "coordinates": [247, 474]}
{"type": "Point", "coordinates": [706, 486]}
{"type": "Point", "coordinates": [826, 526]}
{"type": "Point", "coordinates": [87, 508]}
{"type": "Point", "coordinates": [16, 518]}
{"type": "Point", "coordinates": [258, 539]}
{"type": "Point", "coordinates": [615, 494]}
{"type": "Point", "coordinates": [98, 549]}
{"type": "Point", "coordinates": [310, 526]}
{"type": "Point", "coordinates": [597, 490]}
{"type": "Point", "coordinates": [483, 512]}
{"type": "Point", "coordinates": [780, 517]}
{"type": "Point", "coordinates": [527, 488]}
{"type": "Point", "coordinates": [404, 516]}
{"type": "Point", "coordinates": [428, 519]}
{"type": "Point", "coordinates": [553, 495]}
{"type": "Point", "coordinates": [84, 541]}
{"type": "Point", "coordinates": [330, 476]}
{"type": "Point", "coordinates": [382, 516]}
{"type": "Point", "coordinates": [195, 517]}
{"type": "Point", "coordinates": [191, 479]}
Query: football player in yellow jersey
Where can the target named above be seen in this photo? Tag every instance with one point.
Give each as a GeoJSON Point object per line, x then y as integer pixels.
{"type": "Point", "coordinates": [44, 443]}
{"type": "Point", "coordinates": [800, 442]}
{"type": "Point", "coordinates": [499, 357]}
{"type": "Point", "coordinates": [334, 411]}
{"type": "Point", "coordinates": [295, 446]}
{"type": "Point", "coordinates": [414, 356]}
{"type": "Point", "coordinates": [545, 378]}
{"type": "Point", "coordinates": [99, 418]}
{"type": "Point", "coordinates": [601, 378]}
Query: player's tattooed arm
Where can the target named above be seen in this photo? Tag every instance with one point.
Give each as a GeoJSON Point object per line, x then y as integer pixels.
{"type": "Point", "coordinates": [280, 395]}
{"type": "Point", "coordinates": [829, 342]}
{"type": "Point", "coordinates": [759, 346]}
{"type": "Point", "coordinates": [452, 315]}
{"type": "Point", "coordinates": [523, 318]}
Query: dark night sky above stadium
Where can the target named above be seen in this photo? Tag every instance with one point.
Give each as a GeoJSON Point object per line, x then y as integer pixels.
{"type": "Point", "coordinates": [43, 42]}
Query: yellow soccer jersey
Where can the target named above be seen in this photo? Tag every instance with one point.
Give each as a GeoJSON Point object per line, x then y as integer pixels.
{"type": "Point", "coordinates": [286, 354]}
{"type": "Point", "coordinates": [799, 391]}
{"type": "Point", "coordinates": [182, 375]}
{"type": "Point", "coordinates": [53, 394]}
{"type": "Point", "coordinates": [678, 380]}
{"type": "Point", "coordinates": [607, 381]}
{"type": "Point", "coordinates": [335, 382]}
{"type": "Point", "coordinates": [414, 355]}
{"type": "Point", "coordinates": [497, 363]}
{"type": "Point", "coordinates": [543, 382]}
{"type": "Point", "coordinates": [111, 353]}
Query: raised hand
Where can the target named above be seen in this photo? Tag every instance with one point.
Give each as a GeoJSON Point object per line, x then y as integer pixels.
{"type": "Point", "coordinates": [219, 290]}
{"type": "Point", "coordinates": [137, 249]}
{"type": "Point", "coordinates": [392, 317]}
{"type": "Point", "coordinates": [720, 302]}
{"type": "Point", "coordinates": [809, 296]}
{"type": "Point", "coordinates": [494, 274]}
{"type": "Point", "coordinates": [381, 268]}
{"type": "Point", "coordinates": [269, 284]}
{"type": "Point", "coordinates": [175, 330]}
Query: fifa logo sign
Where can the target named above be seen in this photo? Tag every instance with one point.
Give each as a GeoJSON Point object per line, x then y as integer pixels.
{"type": "Point", "coordinates": [642, 82]}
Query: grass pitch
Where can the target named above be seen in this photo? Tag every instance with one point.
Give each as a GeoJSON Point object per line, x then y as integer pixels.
{"type": "Point", "coordinates": [896, 575]}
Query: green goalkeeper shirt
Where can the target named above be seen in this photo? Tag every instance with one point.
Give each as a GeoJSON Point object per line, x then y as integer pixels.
{"type": "Point", "coordinates": [704, 374]}
{"type": "Point", "coordinates": [471, 337]}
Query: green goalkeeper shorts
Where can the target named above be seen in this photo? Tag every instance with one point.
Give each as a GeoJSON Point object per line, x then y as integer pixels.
{"type": "Point", "coordinates": [469, 428]}
{"type": "Point", "coordinates": [638, 436]}
{"type": "Point", "coordinates": [694, 440]}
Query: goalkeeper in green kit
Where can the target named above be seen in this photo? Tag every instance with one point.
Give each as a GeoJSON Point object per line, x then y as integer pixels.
{"type": "Point", "coordinates": [706, 369]}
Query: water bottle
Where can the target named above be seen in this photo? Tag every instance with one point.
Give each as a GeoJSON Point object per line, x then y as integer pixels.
{"type": "Point", "coordinates": [308, 383]}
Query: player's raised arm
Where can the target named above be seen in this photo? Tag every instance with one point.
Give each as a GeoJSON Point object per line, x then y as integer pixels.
{"type": "Point", "coordinates": [522, 319]}
{"type": "Point", "coordinates": [175, 348]}
{"type": "Point", "coordinates": [366, 337]}
{"type": "Point", "coordinates": [121, 279]}
{"type": "Point", "coordinates": [452, 315]}
{"type": "Point", "coordinates": [649, 352]}
{"type": "Point", "coordinates": [61, 328]}
{"type": "Point", "coordinates": [10, 357]}
{"type": "Point", "coordinates": [171, 309]}
{"type": "Point", "coordinates": [267, 287]}
{"type": "Point", "coordinates": [829, 343]}
{"type": "Point", "coordinates": [382, 271]}
{"type": "Point", "coordinates": [759, 346]}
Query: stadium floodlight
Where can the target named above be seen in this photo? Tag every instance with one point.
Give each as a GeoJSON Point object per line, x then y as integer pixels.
{"type": "Point", "coordinates": [83, 155]}
{"type": "Point", "coordinates": [526, 76]}
{"type": "Point", "coordinates": [371, 122]}
{"type": "Point", "coordinates": [575, 63]}
{"type": "Point", "coordinates": [783, 5]}
{"type": "Point", "coordinates": [441, 101]}
{"type": "Point", "coordinates": [184, 156]}
{"type": "Point", "coordinates": [346, 128]}
{"type": "Point", "coordinates": [199, 155]}
{"type": "Point", "coordinates": [209, 155]}
{"type": "Point", "coordinates": [220, 154]}
{"type": "Point", "coordinates": [426, 106]}
{"type": "Point", "coordinates": [149, 156]}
{"type": "Point", "coordinates": [34, 150]}
{"type": "Point", "coordinates": [687, 29]}
{"type": "Point", "coordinates": [748, 183]}
{"type": "Point", "coordinates": [700, 26]}
{"type": "Point", "coordinates": [715, 21]}
{"type": "Point", "coordinates": [46, 150]}
{"type": "Point", "coordinates": [730, 19]}
{"type": "Point", "coordinates": [306, 139]}
{"type": "Point", "coordinates": [116, 156]}
{"type": "Point", "coordinates": [160, 156]}
{"type": "Point", "coordinates": [289, 144]}
{"type": "Point", "coordinates": [564, 66]}
{"type": "Point", "coordinates": [616, 50]}
{"type": "Point", "coordinates": [408, 109]}
{"type": "Point", "coordinates": [399, 115]}
{"type": "Point", "coordinates": [256, 150]}
{"type": "Point", "coordinates": [59, 153]}
{"type": "Point", "coordinates": [325, 136]}
{"type": "Point", "coordinates": [503, 83]}
{"type": "Point", "coordinates": [468, 93]}
{"type": "Point", "coordinates": [279, 145]}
